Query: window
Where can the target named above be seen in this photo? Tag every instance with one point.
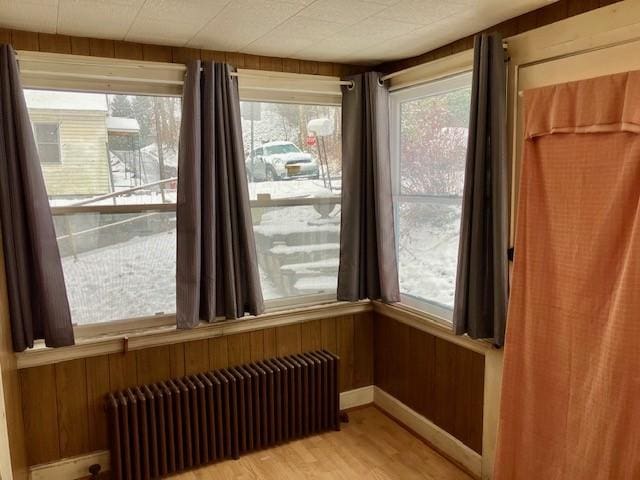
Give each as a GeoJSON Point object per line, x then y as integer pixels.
{"type": "Point", "coordinates": [429, 142]}
{"type": "Point", "coordinates": [47, 137]}
{"type": "Point", "coordinates": [294, 184]}
{"type": "Point", "coordinates": [112, 198]}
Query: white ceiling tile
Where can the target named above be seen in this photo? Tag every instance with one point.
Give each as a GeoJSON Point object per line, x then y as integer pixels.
{"type": "Point", "coordinates": [341, 11]}
{"type": "Point", "coordinates": [97, 18]}
{"type": "Point", "coordinates": [383, 2]}
{"type": "Point", "coordinates": [376, 28]}
{"type": "Point", "coordinates": [37, 16]}
{"type": "Point", "coordinates": [295, 34]}
{"type": "Point", "coordinates": [147, 30]}
{"type": "Point", "coordinates": [423, 12]}
{"type": "Point", "coordinates": [242, 22]}
{"type": "Point", "coordinates": [196, 12]}
{"type": "Point", "coordinates": [362, 31]}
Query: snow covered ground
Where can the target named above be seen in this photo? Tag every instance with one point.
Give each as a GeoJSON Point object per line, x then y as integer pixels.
{"type": "Point", "coordinates": [136, 278]}
{"type": "Point", "coordinates": [428, 250]}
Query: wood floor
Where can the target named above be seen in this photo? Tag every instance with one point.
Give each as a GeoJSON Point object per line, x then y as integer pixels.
{"type": "Point", "coordinates": [370, 446]}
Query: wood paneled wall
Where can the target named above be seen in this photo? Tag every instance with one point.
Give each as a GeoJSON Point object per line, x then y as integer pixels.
{"type": "Point", "coordinates": [440, 380]}
{"type": "Point", "coordinates": [538, 18]}
{"type": "Point", "coordinates": [45, 42]}
{"type": "Point", "coordinates": [62, 404]}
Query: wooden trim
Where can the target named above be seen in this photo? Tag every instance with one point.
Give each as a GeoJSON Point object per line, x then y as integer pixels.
{"type": "Point", "coordinates": [136, 340]}
{"type": "Point", "coordinates": [431, 71]}
{"type": "Point", "coordinates": [356, 397]}
{"type": "Point", "coordinates": [70, 468]}
{"type": "Point", "coordinates": [491, 409]}
{"type": "Point", "coordinates": [434, 435]}
{"type": "Point", "coordinates": [430, 324]}
{"type": "Point", "coordinates": [78, 467]}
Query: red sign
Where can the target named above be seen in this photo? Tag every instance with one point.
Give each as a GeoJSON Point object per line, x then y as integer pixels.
{"type": "Point", "coordinates": [311, 140]}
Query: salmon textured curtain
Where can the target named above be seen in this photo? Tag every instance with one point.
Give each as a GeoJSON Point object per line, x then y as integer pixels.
{"type": "Point", "coordinates": [571, 379]}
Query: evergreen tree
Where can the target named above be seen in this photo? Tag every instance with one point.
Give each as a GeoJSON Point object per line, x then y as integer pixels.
{"type": "Point", "coordinates": [143, 112]}
{"type": "Point", "coordinates": [120, 106]}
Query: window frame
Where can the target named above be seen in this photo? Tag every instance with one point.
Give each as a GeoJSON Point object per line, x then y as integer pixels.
{"type": "Point", "coordinates": [56, 143]}
{"type": "Point", "coordinates": [397, 97]}
{"type": "Point", "coordinates": [257, 86]}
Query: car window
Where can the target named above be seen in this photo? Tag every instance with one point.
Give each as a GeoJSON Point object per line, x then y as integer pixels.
{"type": "Point", "coordinates": [281, 149]}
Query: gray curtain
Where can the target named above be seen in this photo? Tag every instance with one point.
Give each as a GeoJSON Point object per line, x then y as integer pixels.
{"type": "Point", "coordinates": [368, 266]}
{"type": "Point", "coordinates": [38, 305]}
{"type": "Point", "coordinates": [217, 269]}
{"type": "Point", "coordinates": [482, 281]}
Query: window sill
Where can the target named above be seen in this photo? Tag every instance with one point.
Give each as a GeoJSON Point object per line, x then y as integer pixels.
{"type": "Point", "coordinates": [430, 324]}
{"type": "Point", "coordinates": [94, 345]}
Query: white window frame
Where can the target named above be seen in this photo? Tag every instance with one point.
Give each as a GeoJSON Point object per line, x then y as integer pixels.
{"type": "Point", "coordinates": [56, 143]}
{"type": "Point", "coordinates": [396, 98]}
{"type": "Point", "coordinates": [48, 71]}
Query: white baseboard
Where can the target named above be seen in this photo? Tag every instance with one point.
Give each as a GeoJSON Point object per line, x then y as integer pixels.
{"type": "Point", "coordinates": [356, 398]}
{"type": "Point", "coordinates": [78, 467]}
{"type": "Point", "coordinates": [441, 440]}
{"type": "Point", "coordinates": [70, 468]}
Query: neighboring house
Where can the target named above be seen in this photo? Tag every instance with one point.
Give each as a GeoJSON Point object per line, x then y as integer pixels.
{"type": "Point", "coordinates": [70, 130]}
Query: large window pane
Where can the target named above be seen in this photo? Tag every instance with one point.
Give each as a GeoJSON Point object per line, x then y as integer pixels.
{"type": "Point", "coordinates": [118, 266]}
{"type": "Point", "coordinates": [115, 151]}
{"type": "Point", "coordinates": [108, 143]}
{"type": "Point", "coordinates": [293, 159]}
{"type": "Point", "coordinates": [431, 144]}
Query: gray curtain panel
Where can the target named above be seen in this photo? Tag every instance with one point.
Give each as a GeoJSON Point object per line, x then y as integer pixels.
{"type": "Point", "coordinates": [217, 268]}
{"type": "Point", "coordinates": [368, 266]}
{"type": "Point", "coordinates": [38, 305]}
{"type": "Point", "coordinates": [482, 282]}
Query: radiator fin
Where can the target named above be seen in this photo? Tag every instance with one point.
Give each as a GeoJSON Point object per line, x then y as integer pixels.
{"type": "Point", "coordinates": [170, 426]}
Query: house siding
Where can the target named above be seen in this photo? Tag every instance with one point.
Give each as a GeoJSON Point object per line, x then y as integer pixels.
{"type": "Point", "coordinates": [83, 169]}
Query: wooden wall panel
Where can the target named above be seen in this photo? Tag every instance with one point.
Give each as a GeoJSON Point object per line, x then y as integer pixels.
{"type": "Point", "coordinates": [218, 353]}
{"type": "Point", "coordinates": [153, 364]}
{"type": "Point", "coordinates": [73, 407]}
{"type": "Point", "coordinates": [63, 406]}
{"type": "Point", "coordinates": [538, 18]}
{"type": "Point", "coordinates": [239, 348]}
{"type": "Point", "coordinates": [97, 387]}
{"type": "Point", "coordinates": [440, 380]}
{"type": "Point", "coordinates": [123, 370]}
{"type": "Point", "coordinates": [196, 356]}
{"type": "Point", "coordinates": [40, 414]}
{"type": "Point", "coordinates": [288, 340]}
{"type": "Point", "coordinates": [345, 336]}
{"type": "Point", "coordinates": [48, 42]}
{"type": "Point", "coordinates": [362, 350]}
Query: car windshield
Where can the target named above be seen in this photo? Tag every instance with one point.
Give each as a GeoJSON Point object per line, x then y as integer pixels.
{"type": "Point", "coordinates": [280, 149]}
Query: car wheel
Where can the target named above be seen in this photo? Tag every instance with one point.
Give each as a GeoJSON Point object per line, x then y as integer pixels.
{"type": "Point", "coordinates": [270, 174]}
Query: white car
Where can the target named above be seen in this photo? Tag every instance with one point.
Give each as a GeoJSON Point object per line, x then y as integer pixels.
{"type": "Point", "coordinates": [280, 161]}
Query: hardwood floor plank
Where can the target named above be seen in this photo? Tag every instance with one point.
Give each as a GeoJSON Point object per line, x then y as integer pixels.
{"type": "Point", "coordinates": [370, 446]}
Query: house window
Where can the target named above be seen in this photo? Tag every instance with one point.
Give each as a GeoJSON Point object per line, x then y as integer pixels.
{"type": "Point", "coordinates": [429, 126]}
{"type": "Point", "coordinates": [113, 199]}
{"type": "Point", "coordinates": [293, 160]}
{"type": "Point", "coordinates": [47, 137]}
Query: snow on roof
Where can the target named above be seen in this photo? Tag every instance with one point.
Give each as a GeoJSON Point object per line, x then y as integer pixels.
{"type": "Point", "coordinates": [123, 124]}
{"type": "Point", "coordinates": [50, 100]}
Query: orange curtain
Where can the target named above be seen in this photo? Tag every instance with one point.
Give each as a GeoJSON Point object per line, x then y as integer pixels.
{"type": "Point", "coordinates": [571, 387]}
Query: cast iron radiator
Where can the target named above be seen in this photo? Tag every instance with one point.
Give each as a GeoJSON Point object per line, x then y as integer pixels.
{"type": "Point", "coordinates": [178, 424]}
